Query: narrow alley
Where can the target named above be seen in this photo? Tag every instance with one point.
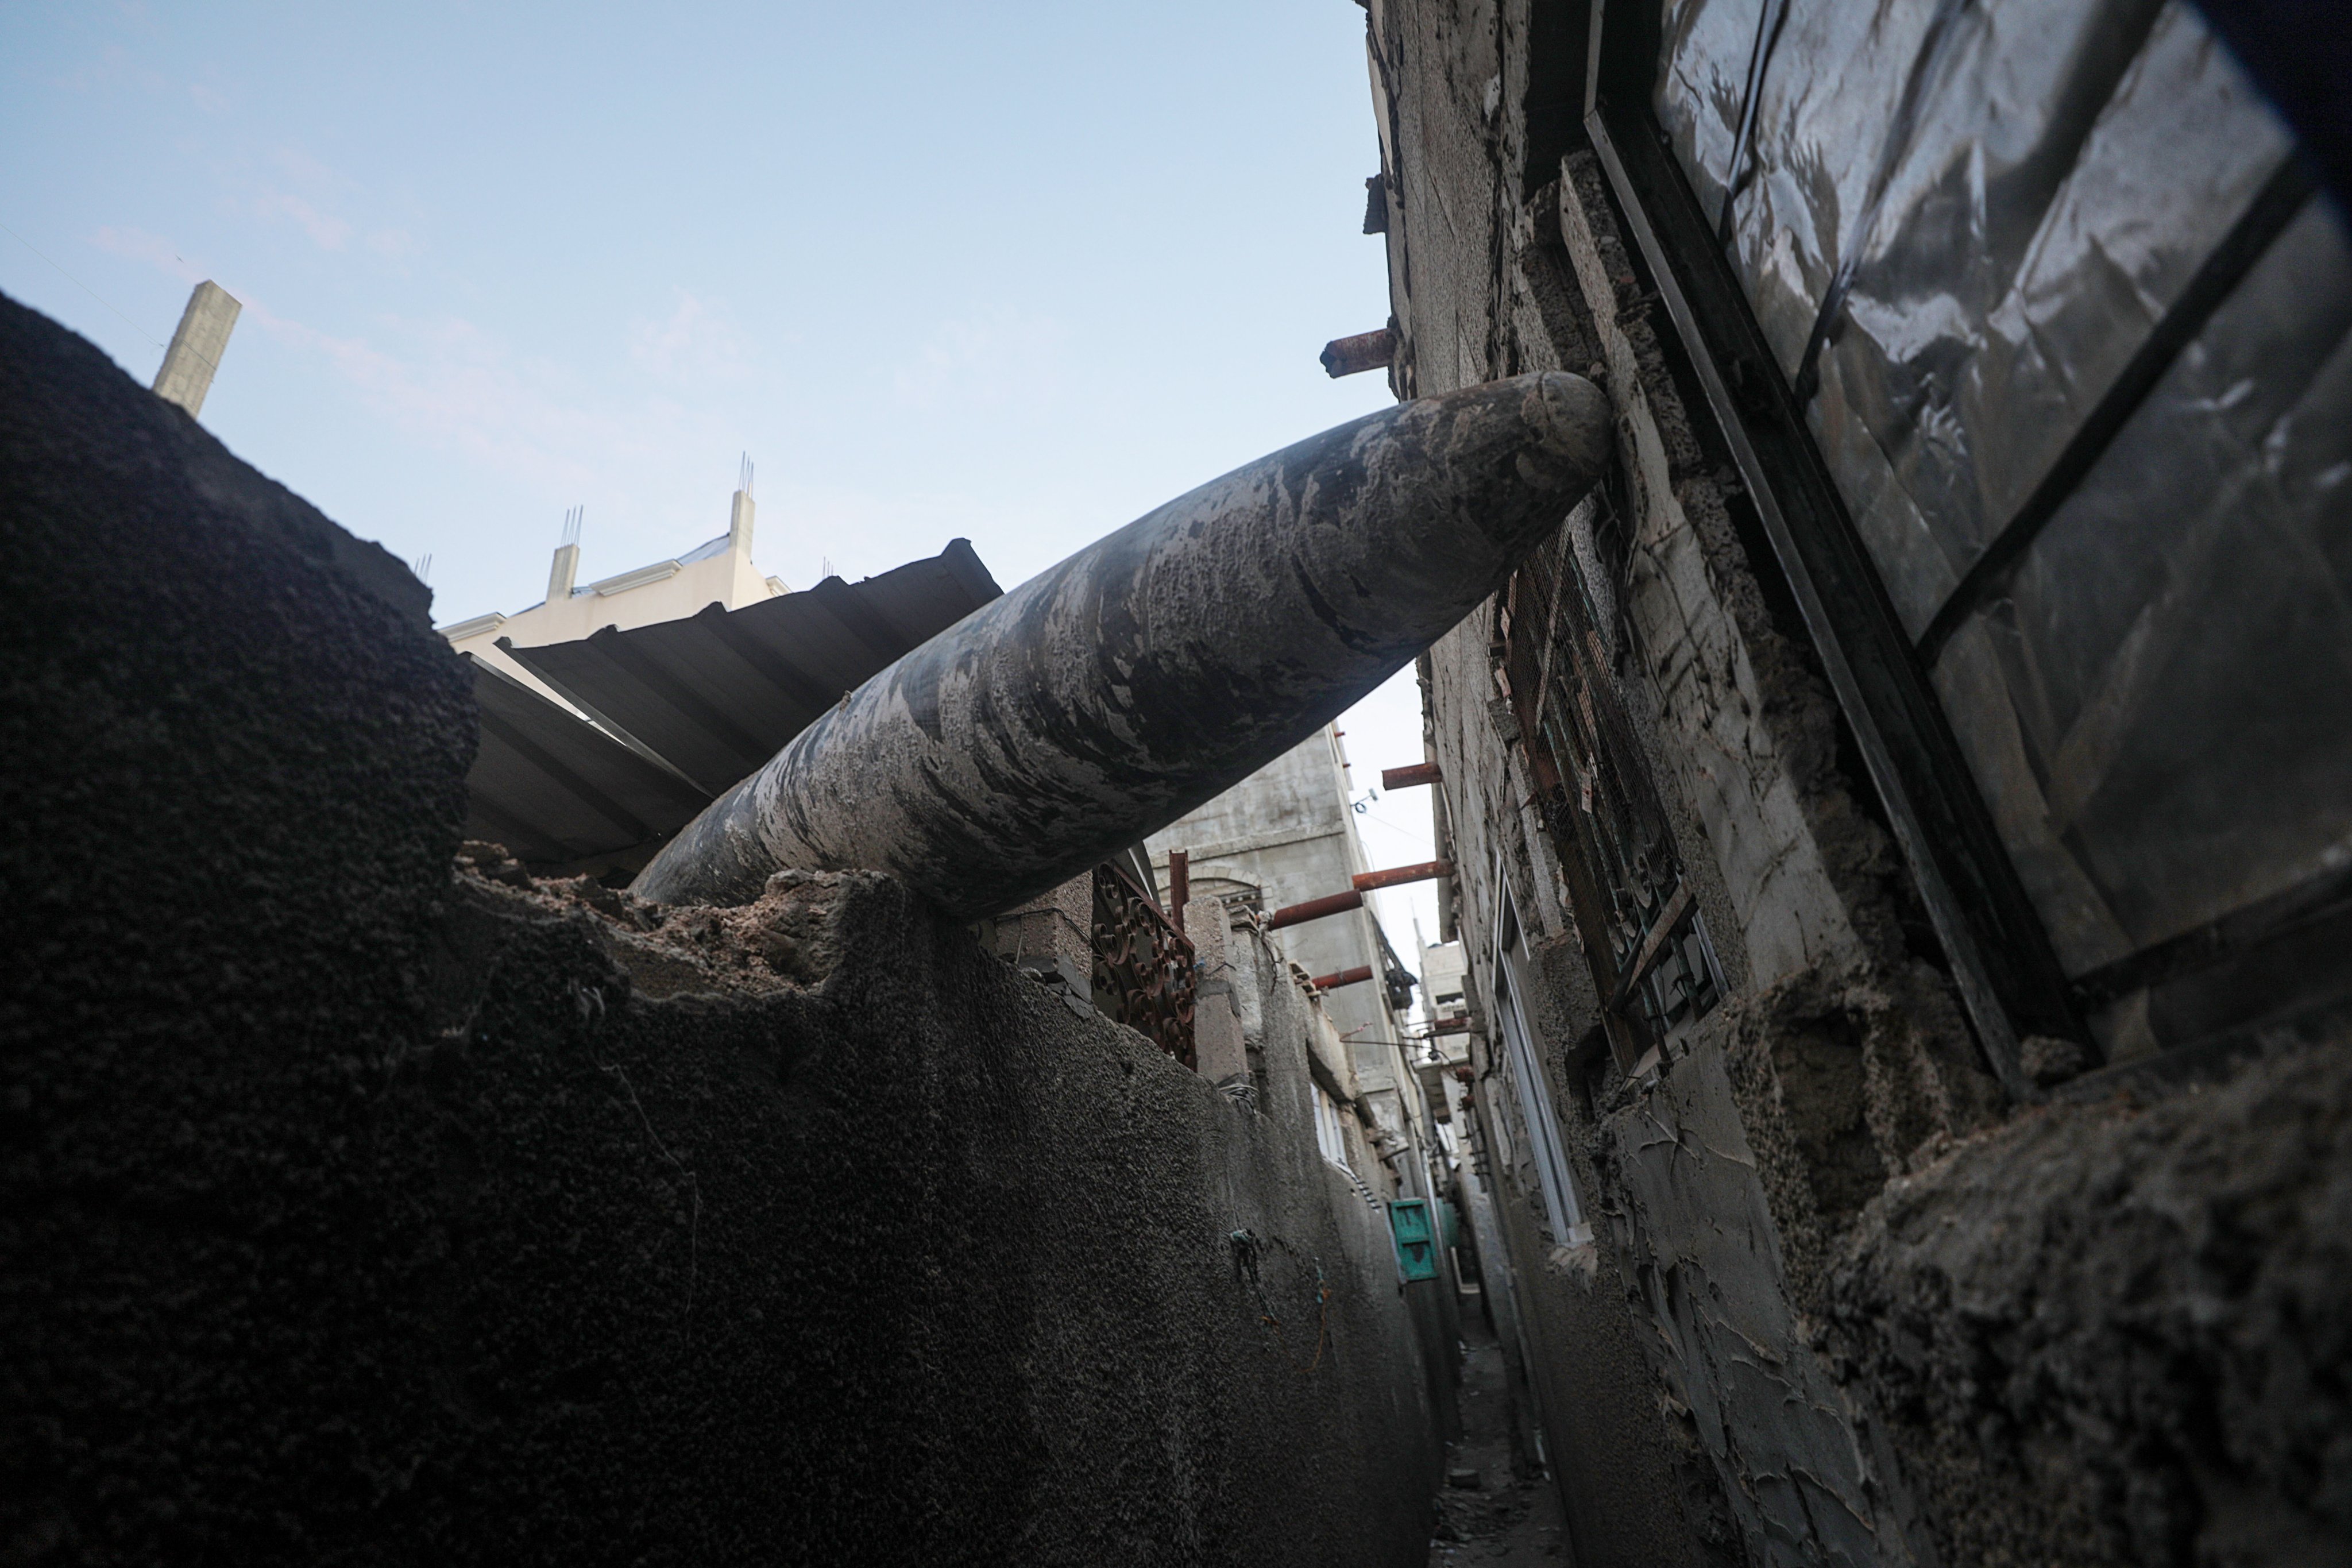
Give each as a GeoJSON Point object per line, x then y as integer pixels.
{"type": "Point", "coordinates": [1494, 1508]}
{"type": "Point", "coordinates": [1837, 1052]}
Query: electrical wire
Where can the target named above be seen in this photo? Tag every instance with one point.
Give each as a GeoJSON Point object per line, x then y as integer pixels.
{"type": "Point", "coordinates": [82, 286]}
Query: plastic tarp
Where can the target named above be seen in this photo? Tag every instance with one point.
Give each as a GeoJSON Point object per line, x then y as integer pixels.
{"type": "Point", "coordinates": [2161, 701]}
{"type": "Point", "coordinates": [1956, 222]}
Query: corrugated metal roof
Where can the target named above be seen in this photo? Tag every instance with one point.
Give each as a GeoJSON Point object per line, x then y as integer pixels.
{"type": "Point", "coordinates": [551, 787]}
{"type": "Point", "coordinates": [703, 701]}
{"type": "Point", "coordinates": [718, 693]}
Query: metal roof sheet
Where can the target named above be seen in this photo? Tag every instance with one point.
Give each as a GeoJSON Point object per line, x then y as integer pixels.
{"type": "Point", "coordinates": [708, 700]}
{"type": "Point", "coordinates": [551, 787]}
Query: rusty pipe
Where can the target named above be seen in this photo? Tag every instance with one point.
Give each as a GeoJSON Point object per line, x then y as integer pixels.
{"type": "Point", "coordinates": [1332, 981]}
{"type": "Point", "coordinates": [1162, 664]}
{"type": "Point", "coordinates": [1313, 910]}
{"type": "Point", "coordinates": [1399, 876]}
{"type": "Point", "coordinates": [1365, 882]}
{"type": "Point", "coordinates": [1406, 778]}
{"type": "Point", "coordinates": [1353, 356]}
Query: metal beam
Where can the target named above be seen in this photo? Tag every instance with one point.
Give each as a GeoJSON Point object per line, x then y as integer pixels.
{"type": "Point", "coordinates": [1313, 910]}
{"type": "Point", "coordinates": [1399, 876]}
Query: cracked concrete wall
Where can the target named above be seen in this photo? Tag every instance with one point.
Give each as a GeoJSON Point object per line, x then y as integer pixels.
{"type": "Point", "coordinates": [1885, 1315]}
{"type": "Point", "coordinates": [2118, 1332]}
{"type": "Point", "coordinates": [363, 1204]}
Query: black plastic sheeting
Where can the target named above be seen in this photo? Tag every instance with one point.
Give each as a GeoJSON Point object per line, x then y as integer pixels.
{"type": "Point", "coordinates": [2059, 187]}
{"type": "Point", "coordinates": [2164, 691]}
{"type": "Point", "coordinates": [1958, 222]}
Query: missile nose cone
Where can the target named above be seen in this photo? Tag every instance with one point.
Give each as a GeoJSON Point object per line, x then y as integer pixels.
{"type": "Point", "coordinates": [1570, 417]}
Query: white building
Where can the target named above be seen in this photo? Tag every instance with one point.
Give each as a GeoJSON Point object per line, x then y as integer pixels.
{"type": "Point", "coordinates": [719, 571]}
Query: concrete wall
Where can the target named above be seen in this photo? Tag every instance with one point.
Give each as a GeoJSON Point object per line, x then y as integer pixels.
{"type": "Point", "coordinates": [1287, 829]}
{"type": "Point", "coordinates": [357, 1211]}
{"type": "Point", "coordinates": [1846, 1303]}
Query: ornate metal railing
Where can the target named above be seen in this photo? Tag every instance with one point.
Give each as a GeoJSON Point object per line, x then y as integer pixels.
{"type": "Point", "coordinates": [1143, 973]}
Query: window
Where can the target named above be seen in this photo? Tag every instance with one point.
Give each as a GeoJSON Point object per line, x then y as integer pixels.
{"type": "Point", "coordinates": [1330, 1132]}
{"type": "Point", "coordinates": [2091, 489]}
{"type": "Point", "coordinates": [1556, 636]}
{"type": "Point", "coordinates": [1563, 1211]}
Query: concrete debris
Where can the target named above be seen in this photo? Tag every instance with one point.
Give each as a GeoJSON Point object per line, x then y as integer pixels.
{"type": "Point", "coordinates": [785, 937]}
{"type": "Point", "coordinates": [2123, 1327]}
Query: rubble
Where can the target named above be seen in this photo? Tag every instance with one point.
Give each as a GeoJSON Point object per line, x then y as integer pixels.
{"type": "Point", "coordinates": [787, 936]}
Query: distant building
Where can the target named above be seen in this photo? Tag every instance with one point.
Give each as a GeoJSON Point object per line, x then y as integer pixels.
{"type": "Point", "coordinates": [1441, 1038]}
{"type": "Point", "coordinates": [1444, 973]}
{"type": "Point", "coordinates": [717, 570]}
{"type": "Point", "coordinates": [1284, 836]}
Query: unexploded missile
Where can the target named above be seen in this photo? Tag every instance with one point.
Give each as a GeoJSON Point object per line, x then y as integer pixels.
{"type": "Point", "coordinates": [1161, 665]}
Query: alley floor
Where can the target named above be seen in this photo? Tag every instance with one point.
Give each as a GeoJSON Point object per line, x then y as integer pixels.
{"type": "Point", "coordinates": [1502, 1519]}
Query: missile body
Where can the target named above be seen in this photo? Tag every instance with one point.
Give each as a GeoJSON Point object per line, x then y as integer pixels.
{"type": "Point", "coordinates": [1161, 665]}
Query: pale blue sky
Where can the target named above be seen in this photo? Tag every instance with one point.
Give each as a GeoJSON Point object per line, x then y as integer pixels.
{"type": "Point", "coordinates": [1017, 273]}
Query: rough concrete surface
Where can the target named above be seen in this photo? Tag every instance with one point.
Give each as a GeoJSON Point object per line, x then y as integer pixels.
{"type": "Point", "coordinates": [363, 1203]}
{"type": "Point", "coordinates": [1803, 1484]}
{"type": "Point", "coordinates": [1490, 1513]}
{"type": "Point", "coordinates": [1639, 1486]}
{"type": "Point", "coordinates": [2121, 1334]}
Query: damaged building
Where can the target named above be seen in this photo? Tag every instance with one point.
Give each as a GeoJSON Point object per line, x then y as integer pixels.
{"type": "Point", "coordinates": [378, 1191]}
{"type": "Point", "coordinates": [905, 1070]}
{"type": "Point", "coordinates": [1899, 823]}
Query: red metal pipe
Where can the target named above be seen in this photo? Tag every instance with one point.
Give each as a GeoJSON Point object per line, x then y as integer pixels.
{"type": "Point", "coordinates": [1179, 884]}
{"type": "Point", "coordinates": [1398, 876]}
{"type": "Point", "coordinates": [1362, 971]}
{"type": "Point", "coordinates": [1365, 350]}
{"type": "Point", "coordinates": [1406, 778]}
{"type": "Point", "coordinates": [1315, 910]}
{"type": "Point", "coordinates": [1457, 1025]}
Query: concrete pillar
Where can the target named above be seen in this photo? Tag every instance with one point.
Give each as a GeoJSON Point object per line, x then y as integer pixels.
{"type": "Point", "coordinates": [738, 524]}
{"type": "Point", "coordinates": [196, 347]}
{"type": "Point", "coordinates": [1219, 1052]}
{"type": "Point", "coordinates": [562, 573]}
{"type": "Point", "coordinates": [565, 569]}
{"type": "Point", "coordinates": [739, 516]}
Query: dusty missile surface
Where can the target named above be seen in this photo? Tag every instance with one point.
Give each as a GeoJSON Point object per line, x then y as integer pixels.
{"type": "Point", "coordinates": [1162, 664]}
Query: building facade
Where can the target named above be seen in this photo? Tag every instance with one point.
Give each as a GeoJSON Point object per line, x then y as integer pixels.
{"type": "Point", "coordinates": [1286, 835]}
{"type": "Point", "coordinates": [1915, 779]}
{"type": "Point", "coordinates": [716, 571]}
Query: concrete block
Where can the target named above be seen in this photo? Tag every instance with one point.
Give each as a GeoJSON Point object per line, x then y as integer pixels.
{"type": "Point", "coordinates": [1219, 1050]}
{"type": "Point", "coordinates": [196, 347]}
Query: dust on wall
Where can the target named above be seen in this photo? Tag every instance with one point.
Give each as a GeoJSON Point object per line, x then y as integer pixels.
{"type": "Point", "coordinates": [364, 1208]}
